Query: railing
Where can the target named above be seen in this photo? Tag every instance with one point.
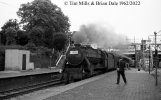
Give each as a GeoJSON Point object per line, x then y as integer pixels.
{"type": "Point", "coordinates": [62, 55]}
{"type": "Point", "coordinates": [59, 60]}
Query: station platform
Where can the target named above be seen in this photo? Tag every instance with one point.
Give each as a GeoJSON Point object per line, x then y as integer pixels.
{"type": "Point", "coordinates": [9, 74]}
{"type": "Point", "coordinates": [140, 86]}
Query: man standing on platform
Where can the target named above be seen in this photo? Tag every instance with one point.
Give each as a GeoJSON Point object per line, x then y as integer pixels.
{"type": "Point", "coordinates": [121, 71]}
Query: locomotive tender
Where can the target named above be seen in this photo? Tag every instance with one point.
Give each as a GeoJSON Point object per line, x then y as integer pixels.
{"type": "Point", "coordinates": [84, 61]}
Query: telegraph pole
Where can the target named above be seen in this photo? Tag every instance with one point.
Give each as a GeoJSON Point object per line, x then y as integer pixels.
{"type": "Point", "coordinates": [143, 43]}
{"type": "Point", "coordinates": [149, 58]}
{"type": "Point", "coordinates": [149, 54]}
{"type": "Point", "coordinates": [135, 53]}
{"type": "Point", "coordinates": [156, 78]}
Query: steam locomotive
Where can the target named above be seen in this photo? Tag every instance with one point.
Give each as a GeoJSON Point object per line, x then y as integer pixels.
{"type": "Point", "coordinates": [84, 61]}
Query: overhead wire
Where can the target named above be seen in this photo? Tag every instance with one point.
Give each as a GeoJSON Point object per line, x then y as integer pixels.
{"type": "Point", "coordinates": [7, 4]}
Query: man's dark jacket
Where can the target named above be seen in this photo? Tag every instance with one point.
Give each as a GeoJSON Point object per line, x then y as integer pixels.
{"type": "Point", "coordinates": [121, 65]}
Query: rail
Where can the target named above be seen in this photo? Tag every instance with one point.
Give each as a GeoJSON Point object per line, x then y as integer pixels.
{"type": "Point", "coordinates": [19, 91]}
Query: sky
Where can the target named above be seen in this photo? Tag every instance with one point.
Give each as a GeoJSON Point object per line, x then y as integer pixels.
{"type": "Point", "coordinates": [134, 21]}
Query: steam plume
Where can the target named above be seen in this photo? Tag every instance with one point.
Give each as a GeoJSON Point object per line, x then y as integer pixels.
{"type": "Point", "coordinates": [104, 37]}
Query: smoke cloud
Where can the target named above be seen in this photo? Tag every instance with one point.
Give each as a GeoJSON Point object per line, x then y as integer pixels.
{"type": "Point", "coordinates": [104, 37]}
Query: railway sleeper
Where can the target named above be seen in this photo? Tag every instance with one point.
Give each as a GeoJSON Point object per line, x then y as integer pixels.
{"type": "Point", "coordinates": [22, 90]}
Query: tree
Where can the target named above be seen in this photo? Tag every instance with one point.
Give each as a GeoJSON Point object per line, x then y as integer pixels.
{"type": "Point", "coordinates": [2, 38]}
{"type": "Point", "coordinates": [36, 36]}
{"type": "Point", "coordinates": [10, 35]}
{"type": "Point", "coordinates": [60, 41]}
{"type": "Point", "coordinates": [9, 31]}
{"type": "Point", "coordinates": [41, 19]}
{"type": "Point", "coordinates": [22, 38]}
{"type": "Point", "coordinates": [11, 23]}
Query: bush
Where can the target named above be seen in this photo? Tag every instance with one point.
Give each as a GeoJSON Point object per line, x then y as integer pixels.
{"type": "Point", "coordinates": [41, 57]}
{"type": "Point", "coordinates": [2, 58]}
{"type": "Point", "coordinates": [31, 46]}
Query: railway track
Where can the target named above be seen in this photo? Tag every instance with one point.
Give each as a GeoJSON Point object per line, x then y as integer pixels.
{"type": "Point", "coordinates": [19, 91]}
{"type": "Point", "coordinates": [37, 86]}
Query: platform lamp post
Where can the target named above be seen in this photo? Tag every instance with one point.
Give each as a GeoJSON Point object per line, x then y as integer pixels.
{"type": "Point", "coordinates": [156, 65]}
{"type": "Point", "coordinates": [149, 40]}
{"type": "Point", "coordinates": [149, 57]}
{"type": "Point", "coordinates": [135, 56]}
{"type": "Point", "coordinates": [156, 78]}
{"type": "Point", "coordinates": [51, 57]}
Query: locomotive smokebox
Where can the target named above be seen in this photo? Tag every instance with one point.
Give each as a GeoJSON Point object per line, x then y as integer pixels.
{"type": "Point", "coordinates": [74, 56]}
